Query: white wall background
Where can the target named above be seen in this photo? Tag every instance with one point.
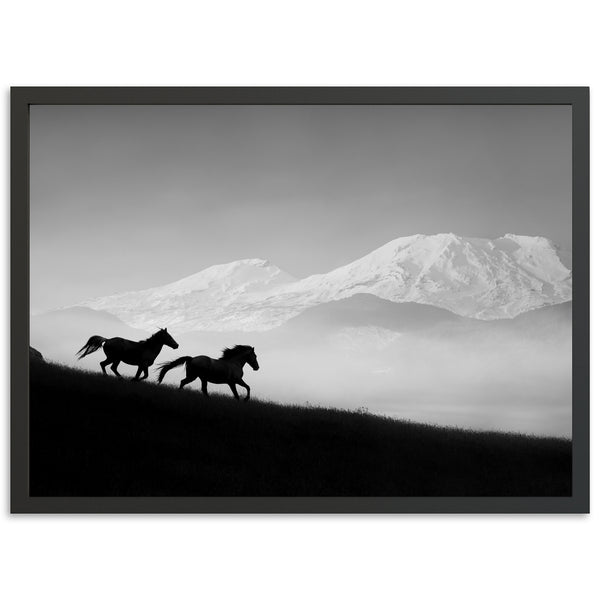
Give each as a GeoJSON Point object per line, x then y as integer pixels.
{"type": "Point", "coordinates": [296, 43]}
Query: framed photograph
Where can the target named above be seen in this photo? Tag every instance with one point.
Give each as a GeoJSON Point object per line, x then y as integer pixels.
{"type": "Point", "coordinates": [300, 300]}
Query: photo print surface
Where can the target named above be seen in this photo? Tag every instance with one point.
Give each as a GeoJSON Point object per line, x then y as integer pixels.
{"type": "Point", "coordinates": [300, 300]}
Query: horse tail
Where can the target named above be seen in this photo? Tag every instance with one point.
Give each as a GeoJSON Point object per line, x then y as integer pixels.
{"type": "Point", "coordinates": [92, 345]}
{"type": "Point", "coordinates": [165, 367]}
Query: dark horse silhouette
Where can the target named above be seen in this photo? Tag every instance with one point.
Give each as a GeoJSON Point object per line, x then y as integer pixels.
{"type": "Point", "coordinates": [227, 369]}
{"type": "Point", "coordinates": [142, 354]}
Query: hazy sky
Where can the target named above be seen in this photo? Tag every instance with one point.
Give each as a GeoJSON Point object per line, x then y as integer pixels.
{"type": "Point", "coordinates": [128, 197]}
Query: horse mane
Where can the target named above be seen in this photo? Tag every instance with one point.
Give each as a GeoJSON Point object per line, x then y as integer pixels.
{"type": "Point", "coordinates": [229, 353]}
{"type": "Point", "coordinates": [156, 333]}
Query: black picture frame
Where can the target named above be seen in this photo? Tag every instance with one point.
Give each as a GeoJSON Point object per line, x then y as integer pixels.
{"type": "Point", "coordinates": [23, 97]}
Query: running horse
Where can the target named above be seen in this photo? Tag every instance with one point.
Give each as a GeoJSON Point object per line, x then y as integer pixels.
{"type": "Point", "coordinates": [141, 354]}
{"type": "Point", "coordinates": [228, 369]}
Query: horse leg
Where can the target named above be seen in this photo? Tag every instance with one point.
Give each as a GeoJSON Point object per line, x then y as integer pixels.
{"type": "Point", "coordinates": [139, 372]}
{"type": "Point", "coordinates": [145, 370]}
{"type": "Point", "coordinates": [105, 364]}
{"type": "Point", "coordinates": [234, 390]}
{"type": "Point", "coordinates": [205, 387]}
{"type": "Point", "coordinates": [114, 366]}
{"type": "Point", "coordinates": [244, 385]}
{"type": "Point", "coordinates": [187, 379]}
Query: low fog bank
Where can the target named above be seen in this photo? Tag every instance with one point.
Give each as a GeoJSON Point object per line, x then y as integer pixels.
{"type": "Point", "coordinates": [498, 383]}
{"type": "Point", "coordinates": [504, 375]}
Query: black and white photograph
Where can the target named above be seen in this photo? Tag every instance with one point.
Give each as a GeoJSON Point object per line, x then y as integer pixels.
{"type": "Point", "coordinates": [301, 300]}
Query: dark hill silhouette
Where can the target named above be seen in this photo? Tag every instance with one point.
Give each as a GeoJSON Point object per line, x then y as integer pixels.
{"type": "Point", "coordinates": [542, 319]}
{"type": "Point", "coordinates": [92, 435]}
{"type": "Point", "coordinates": [549, 323]}
{"type": "Point", "coordinates": [367, 310]}
{"type": "Point", "coordinates": [35, 355]}
{"type": "Point", "coordinates": [360, 310]}
{"type": "Point", "coordinates": [363, 310]}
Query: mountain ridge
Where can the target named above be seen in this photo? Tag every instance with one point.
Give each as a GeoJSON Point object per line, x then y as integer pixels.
{"type": "Point", "coordinates": [478, 278]}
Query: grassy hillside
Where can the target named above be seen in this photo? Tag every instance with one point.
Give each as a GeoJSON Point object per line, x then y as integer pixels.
{"type": "Point", "coordinates": [98, 436]}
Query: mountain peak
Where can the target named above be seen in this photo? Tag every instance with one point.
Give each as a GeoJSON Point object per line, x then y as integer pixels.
{"type": "Point", "coordinates": [253, 262]}
{"type": "Point", "coordinates": [471, 277]}
{"type": "Point", "coordinates": [244, 272]}
{"type": "Point", "coordinates": [529, 240]}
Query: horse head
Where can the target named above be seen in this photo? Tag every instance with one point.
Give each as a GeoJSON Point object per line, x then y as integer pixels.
{"type": "Point", "coordinates": [252, 360]}
{"type": "Point", "coordinates": [166, 339]}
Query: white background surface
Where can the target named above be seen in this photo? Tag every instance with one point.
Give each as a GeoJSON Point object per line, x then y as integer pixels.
{"type": "Point", "coordinates": [296, 43]}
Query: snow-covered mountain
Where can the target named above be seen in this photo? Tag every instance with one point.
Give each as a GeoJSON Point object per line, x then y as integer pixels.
{"type": "Point", "coordinates": [473, 277]}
